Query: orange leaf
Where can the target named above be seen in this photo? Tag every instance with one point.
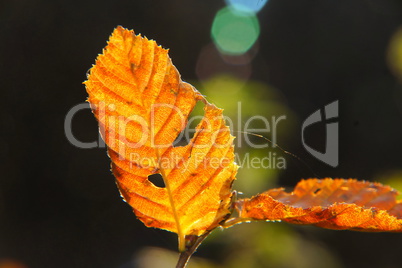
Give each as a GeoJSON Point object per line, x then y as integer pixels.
{"type": "Point", "coordinates": [142, 105]}
{"type": "Point", "coordinates": [328, 203]}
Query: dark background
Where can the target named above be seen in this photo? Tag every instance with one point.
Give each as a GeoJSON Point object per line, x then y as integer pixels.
{"type": "Point", "coordinates": [59, 206]}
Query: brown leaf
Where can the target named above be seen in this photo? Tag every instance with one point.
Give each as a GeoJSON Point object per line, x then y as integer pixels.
{"type": "Point", "coordinates": [328, 203]}
{"type": "Point", "coordinates": [142, 105]}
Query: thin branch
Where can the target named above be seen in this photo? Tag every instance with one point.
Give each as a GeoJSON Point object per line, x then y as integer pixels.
{"type": "Point", "coordinates": [192, 243]}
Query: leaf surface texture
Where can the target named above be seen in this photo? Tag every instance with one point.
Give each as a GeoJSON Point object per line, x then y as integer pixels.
{"type": "Point", "coordinates": [142, 105]}
{"type": "Point", "coordinates": [329, 203]}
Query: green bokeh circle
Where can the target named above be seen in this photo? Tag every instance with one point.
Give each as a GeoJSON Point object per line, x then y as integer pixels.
{"type": "Point", "coordinates": [233, 32]}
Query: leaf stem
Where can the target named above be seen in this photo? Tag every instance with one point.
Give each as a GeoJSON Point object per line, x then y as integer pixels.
{"type": "Point", "coordinates": [236, 220]}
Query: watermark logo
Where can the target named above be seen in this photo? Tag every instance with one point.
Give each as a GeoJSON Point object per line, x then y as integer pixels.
{"type": "Point", "coordinates": [139, 132]}
{"type": "Point", "coordinates": [331, 154]}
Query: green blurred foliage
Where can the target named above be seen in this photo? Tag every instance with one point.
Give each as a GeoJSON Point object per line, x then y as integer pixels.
{"type": "Point", "coordinates": [245, 103]}
{"type": "Point", "coordinates": [392, 178]}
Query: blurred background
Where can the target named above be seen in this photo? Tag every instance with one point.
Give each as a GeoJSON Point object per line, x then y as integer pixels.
{"type": "Point", "coordinates": [59, 205]}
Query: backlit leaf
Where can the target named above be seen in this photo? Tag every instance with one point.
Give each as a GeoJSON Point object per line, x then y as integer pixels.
{"type": "Point", "coordinates": [328, 203]}
{"type": "Point", "coordinates": [142, 105]}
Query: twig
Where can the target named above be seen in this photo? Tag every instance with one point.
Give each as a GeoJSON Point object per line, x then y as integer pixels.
{"type": "Point", "coordinates": [192, 243]}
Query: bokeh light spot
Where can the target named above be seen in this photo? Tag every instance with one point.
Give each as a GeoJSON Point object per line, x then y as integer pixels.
{"type": "Point", "coordinates": [234, 33]}
{"type": "Point", "coordinates": [249, 6]}
{"type": "Point", "coordinates": [395, 54]}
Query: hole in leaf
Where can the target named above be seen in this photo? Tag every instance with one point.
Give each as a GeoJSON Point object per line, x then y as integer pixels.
{"type": "Point", "coordinates": [157, 180]}
{"type": "Point", "coordinates": [194, 119]}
